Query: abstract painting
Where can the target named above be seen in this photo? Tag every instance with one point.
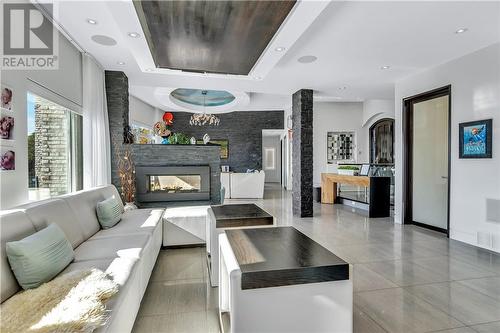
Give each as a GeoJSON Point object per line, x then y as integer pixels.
{"type": "Point", "coordinates": [475, 139]}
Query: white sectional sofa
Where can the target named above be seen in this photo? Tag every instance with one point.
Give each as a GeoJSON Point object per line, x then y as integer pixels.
{"type": "Point", "coordinates": [127, 251]}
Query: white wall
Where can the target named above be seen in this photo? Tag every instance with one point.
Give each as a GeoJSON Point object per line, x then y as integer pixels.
{"type": "Point", "coordinates": [63, 86]}
{"type": "Point", "coordinates": [375, 109]}
{"type": "Point", "coordinates": [336, 116]}
{"type": "Point", "coordinates": [141, 113]}
{"type": "Point", "coordinates": [475, 95]}
{"type": "Point", "coordinates": [273, 142]}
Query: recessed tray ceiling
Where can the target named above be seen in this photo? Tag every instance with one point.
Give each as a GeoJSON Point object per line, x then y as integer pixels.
{"type": "Point", "coordinates": [210, 36]}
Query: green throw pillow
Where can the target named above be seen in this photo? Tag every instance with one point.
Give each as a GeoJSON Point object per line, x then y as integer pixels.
{"type": "Point", "coordinates": [39, 257]}
{"type": "Point", "coordinates": [109, 212]}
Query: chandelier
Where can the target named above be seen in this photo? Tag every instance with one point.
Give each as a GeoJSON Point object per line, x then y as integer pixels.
{"type": "Point", "coordinates": [202, 119]}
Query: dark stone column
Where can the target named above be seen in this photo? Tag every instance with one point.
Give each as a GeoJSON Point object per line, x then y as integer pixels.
{"type": "Point", "coordinates": [117, 101]}
{"type": "Point", "coordinates": [302, 156]}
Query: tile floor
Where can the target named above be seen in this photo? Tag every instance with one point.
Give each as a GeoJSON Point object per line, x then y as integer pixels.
{"type": "Point", "coordinates": [406, 279]}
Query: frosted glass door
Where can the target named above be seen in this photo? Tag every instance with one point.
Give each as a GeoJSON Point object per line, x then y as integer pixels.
{"type": "Point", "coordinates": [430, 162]}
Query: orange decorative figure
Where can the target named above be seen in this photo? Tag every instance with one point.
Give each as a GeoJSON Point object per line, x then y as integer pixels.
{"type": "Point", "coordinates": [168, 118]}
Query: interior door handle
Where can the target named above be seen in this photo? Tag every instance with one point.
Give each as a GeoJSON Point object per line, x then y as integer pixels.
{"type": "Point", "coordinates": [444, 177]}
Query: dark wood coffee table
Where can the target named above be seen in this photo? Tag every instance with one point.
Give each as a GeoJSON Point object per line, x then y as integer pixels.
{"type": "Point", "coordinates": [240, 215]}
{"type": "Point", "coordinates": [280, 280]}
{"type": "Point", "coordinates": [224, 217]}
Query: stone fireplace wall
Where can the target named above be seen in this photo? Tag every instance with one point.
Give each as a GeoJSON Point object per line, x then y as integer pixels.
{"type": "Point", "coordinates": [179, 155]}
{"type": "Point", "coordinates": [154, 155]}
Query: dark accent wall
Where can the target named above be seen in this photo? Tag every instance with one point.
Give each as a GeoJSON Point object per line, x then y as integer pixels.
{"type": "Point", "coordinates": [117, 101]}
{"type": "Point", "coordinates": [302, 156]}
{"type": "Point", "coordinates": [243, 130]}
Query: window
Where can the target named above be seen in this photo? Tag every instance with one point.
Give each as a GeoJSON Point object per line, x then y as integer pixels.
{"type": "Point", "coordinates": [55, 165]}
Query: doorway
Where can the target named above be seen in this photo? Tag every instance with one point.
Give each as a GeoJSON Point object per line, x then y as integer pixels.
{"type": "Point", "coordinates": [426, 180]}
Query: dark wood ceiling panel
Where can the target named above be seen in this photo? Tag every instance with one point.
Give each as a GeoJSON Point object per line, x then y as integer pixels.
{"type": "Point", "coordinates": [210, 36]}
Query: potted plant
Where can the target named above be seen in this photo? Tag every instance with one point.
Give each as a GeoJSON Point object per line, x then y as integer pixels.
{"type": "Point", "coordinates": [349, 170]}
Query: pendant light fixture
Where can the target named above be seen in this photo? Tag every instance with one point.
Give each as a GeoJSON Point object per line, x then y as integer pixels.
{"type": "Point", "coordinates": [202, 119]}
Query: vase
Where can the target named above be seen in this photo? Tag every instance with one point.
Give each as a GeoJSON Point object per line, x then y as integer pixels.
{"type": "Point", "coordinates": [129, 206]}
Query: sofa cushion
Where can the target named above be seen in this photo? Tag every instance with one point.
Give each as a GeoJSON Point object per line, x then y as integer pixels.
{"type": "Point", "coordinates": [109, 212]}
{"type": "Point", "coordinates": [39, 257]}
{"type": "Point", "coordinates": [118, 268]}
{"type": "Point", "coordinates": [126, 246]}
{"type": "Point", "coordinates": [42, 213]}
{"type": "Point", "coordinates": [15, 225]}
{"type": "Point", "coordinates": [134, 221]}
{"type": "Point", "coordinates": [83, 203]}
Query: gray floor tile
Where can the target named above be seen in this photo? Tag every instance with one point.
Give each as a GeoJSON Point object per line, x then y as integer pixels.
{"type": "Point", "coordinates": [458, 330]}
{"type": "Point", "coordinates": [364, 324]}
{"type": "Point", "coordinates": [178, 264]}
{"type": "Point", "coordinates": [365, 279]}
{"type": "Point", "coordinates": [174, 297]}
{"type": "Point", "coordinates": [488, 286]}
{"type": "Point", "coordinates": [397, 311]}
{"type": "Point", "coordinates": [405, 273]}
{"type": "Point", "coordinates": [488, 328]}
{"type": "Point", "coordinates": [459, 301]}
{"type": "Point", "coordinates": [451, 268]}
{"type": "Point", "coordinates": [187, 322]}
{"type": "Point", "coordinates": [384, 255]}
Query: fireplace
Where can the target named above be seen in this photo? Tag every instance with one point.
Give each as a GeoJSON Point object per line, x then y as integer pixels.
{"type": "Point", "coordinates": [172, 183]}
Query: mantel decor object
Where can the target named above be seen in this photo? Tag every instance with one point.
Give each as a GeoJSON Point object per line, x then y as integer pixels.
{"type": "Point", "coordinates": [161, 127]}
{"type": "Point", "coordinates": [475, 139]}
{"type": "Point", "coordinates": [126, 171]}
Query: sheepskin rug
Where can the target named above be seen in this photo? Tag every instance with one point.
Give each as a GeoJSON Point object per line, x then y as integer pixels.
{"type": "Point", "coordinates": [73, 302]}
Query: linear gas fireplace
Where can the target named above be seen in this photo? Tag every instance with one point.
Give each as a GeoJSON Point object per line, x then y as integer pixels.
{"type": "Point", "coordinates": [172, 183]}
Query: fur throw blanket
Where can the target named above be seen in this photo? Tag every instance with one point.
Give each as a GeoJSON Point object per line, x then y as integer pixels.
{"type": "Point", "coordinates": [72, 302]}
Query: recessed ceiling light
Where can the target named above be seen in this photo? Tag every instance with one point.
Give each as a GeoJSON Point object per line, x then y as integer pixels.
{"type": "Point", "coordinates": [134, 35]}
{"type": "Point", "coordinates": [385, 67]}
{"type": "Point", "coordinates": [461, 30]}
{"type": "Point", "coordinates": [120, 63]}
{"type": "Point", "coordinates": [91, 21]}
{"type": "Point", "coordinates": [307, 59]}
{"type": "Point", "coordinates": [149, 69]}
{"type": "Point", "coordinates": [280, 49]}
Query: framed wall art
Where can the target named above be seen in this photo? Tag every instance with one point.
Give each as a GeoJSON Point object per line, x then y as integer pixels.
{"type": "Point", "coordinates": [475, 139]}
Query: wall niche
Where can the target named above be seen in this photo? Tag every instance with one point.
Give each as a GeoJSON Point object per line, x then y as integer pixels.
{"type": "Point", "coordinates": [382, 142]}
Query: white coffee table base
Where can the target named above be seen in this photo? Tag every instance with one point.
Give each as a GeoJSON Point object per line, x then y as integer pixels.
{"type": "Point", "coordinates": [184, 225]}
{"type": "Point", "coordinates": [213, 246]}
{"type": "Point", "coordinates": [314, 307]}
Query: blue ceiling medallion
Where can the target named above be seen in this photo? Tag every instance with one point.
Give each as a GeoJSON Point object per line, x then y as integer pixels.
{"type": "Point", "coordinates": [200, 97]}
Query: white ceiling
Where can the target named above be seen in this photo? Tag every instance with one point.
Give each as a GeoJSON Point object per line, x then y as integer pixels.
{"type": "Point", "coordinates": [352, 41]}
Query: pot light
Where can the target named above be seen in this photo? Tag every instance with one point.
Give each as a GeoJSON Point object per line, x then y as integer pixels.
{"type": "Point", "coordinates": [134, 35]}
{"type": "Point", "coordinates": [385, 67]}
{"type": "Point", "coordinates": [120, 63]}
{"type": "Point", "coordinates": [91, 21]}
{"type": "Point", "coordinates": [149, 69]}
{"type": "Point", "coordinates": [461, 30]}
{"type": "Point", "coordinates": [280, 49]}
